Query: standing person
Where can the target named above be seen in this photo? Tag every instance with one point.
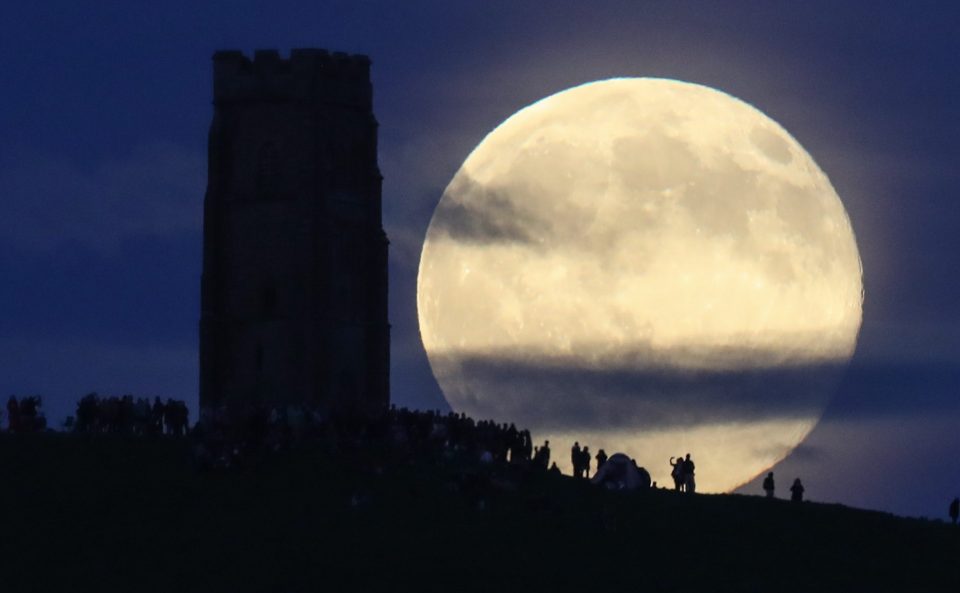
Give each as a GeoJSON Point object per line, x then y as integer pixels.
{"type": "Point", "coordinates": [575, 460]}
{"type": "Point", "coordinates": [585, 462]}
{"type": "Point", "coordinates": [601, 458]}
{"type": "Point", "coordinates": [545, 454]}
{"type": "Point", "coordinates": [955, 510]}
{"type": "Point", "coordinates": [156, 416]}
{"type": "Point", "coordinates": [768, 485]}
{"type": "Point", "coordinates": [677, 473]}
{"type": "Point", "coordinates": [526, 450]}
{"type": "Point", "coordinates": [796, 491]}
{"type": "Point", "coordinates": [13, 414]}
{"type": "Point", "coordinates": [689, 481]}
{"type": "Point", "coordinates": [28, 413]}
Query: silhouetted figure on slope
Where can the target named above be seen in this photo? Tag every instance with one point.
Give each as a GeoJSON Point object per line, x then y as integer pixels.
{"type": "Point", "coordinates": [13, 414]}
{"type": "Point", "coordinates": [514, 443]}
{"type": "Point", "coordinates": [768, 485]}
{"type": "Point", "coordinates": [175, 416]}
{"type": "Point", "coordinates": [601, 458]}
{"type": "Point", "coordinates": [575, 460]}
{"type": "Point", "coordinates": [157, 413]}
{"type": "Point", "coordinates": [554, 469]}
{"type": "Point", "coordinates": [796, 491]}
{"type": "Point", "coordinates": [31, 420]}
{"type": "Point", "coordinates": [955, 510]}
{"type": "Point", "coordinates": [141, 416]}
{"type": "Point", "coordinates": [108, 415]}
{"type": "Point", "coordinates": [125, 414]}
{"type": "Point", "coordinates": [689, 471]}
{"type": "Point", "coordinates": [677, 473]}
{"type": "Point", "coordinates": [526, 450]}
{"type": "Point", "coordinates": [545, 455]}
{"type": "Point", "coordinates": [87, 413]}
{"type": "Point", "coordinates": [585, 462]}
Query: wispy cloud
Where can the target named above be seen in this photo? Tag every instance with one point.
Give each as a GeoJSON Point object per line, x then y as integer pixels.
{"type": "Point", "coordinates": [155, 189]}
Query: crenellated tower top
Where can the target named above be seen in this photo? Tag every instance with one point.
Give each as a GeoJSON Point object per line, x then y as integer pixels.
{"type": "Point", "coordinates": [308, 75]}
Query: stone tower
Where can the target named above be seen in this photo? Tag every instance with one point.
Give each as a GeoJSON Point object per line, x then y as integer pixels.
{"type": "Point", "coordinates": [294, 287]}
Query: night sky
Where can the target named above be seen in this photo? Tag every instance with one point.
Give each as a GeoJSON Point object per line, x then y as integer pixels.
{"type": "Point", "coordinates": [104, 116]}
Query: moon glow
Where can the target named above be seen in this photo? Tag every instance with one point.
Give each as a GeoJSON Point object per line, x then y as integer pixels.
{"type": "Point", "coordinates": [643, 265]}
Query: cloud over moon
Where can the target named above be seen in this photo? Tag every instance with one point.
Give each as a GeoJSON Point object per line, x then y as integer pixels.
{"type": "Point", "coordinates": [569, 393]}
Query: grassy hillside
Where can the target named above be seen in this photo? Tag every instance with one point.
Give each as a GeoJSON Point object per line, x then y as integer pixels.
{"type": "Point", "coordinates": [124, 514]}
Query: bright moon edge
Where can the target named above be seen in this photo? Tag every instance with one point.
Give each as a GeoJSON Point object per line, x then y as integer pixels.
{"type": "Point", "coordinates": [538, 282]}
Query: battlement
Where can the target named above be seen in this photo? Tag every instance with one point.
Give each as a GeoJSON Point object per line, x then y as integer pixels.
{"type": "Point", "coordinates": [308, 75]}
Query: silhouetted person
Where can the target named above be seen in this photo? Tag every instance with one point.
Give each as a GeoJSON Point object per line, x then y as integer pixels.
{"type": "Point", "coordinates": [13, 414]}
{"type": "Point", "coordinates": [796, 491]}
{"type": "Point", "coordinates": [585, 462]}
{"type": "Point", "coordinates": [677, 473]}
{"type": "Point", "coordinates": [768, 485]}
{"type": "Point", "coordinates": [527, 446]}
{"type": "Point", "coordinates": [575, 460]}
{"type": "Point", "coordinates": [87, 410]}
{"type": "Point", "coordinates": [601, 458]}
{"type": "Point", "coordinates": [545, 454]}
{"type": "Point", "coordinates": [689, 470]}
{"type": "Point", "coordinates": [554, 469]}
{"type": "Point", "coordinates": [175, 417]}
{"type": "Point", "coordinates": [955, 510]}
{"type": "Point", "coordinates": [29, 419]}
{"type": "Point", "coordinates": [156, 416]}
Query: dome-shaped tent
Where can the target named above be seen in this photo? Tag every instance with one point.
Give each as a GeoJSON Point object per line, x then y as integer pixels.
{"type": "Point", "coordinates": [621, 473]}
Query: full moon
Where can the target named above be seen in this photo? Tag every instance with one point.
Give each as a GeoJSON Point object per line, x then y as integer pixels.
{"type": "Point", "coordinates": [647, 266]}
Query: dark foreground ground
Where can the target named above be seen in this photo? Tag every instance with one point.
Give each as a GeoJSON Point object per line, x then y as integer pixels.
{"type": "Point", "coordinates": [124, 514]}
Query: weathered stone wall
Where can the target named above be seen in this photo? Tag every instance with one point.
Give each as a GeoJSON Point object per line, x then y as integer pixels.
{"type": "Point", "coordinates": [294, 289]}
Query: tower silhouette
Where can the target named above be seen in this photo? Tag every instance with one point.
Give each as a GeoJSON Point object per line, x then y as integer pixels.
{"type": "Point", "coordinates": [294, 286]}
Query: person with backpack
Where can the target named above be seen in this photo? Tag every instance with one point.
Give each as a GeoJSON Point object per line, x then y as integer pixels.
{"type": "Point", "coordinates": [768, 485]}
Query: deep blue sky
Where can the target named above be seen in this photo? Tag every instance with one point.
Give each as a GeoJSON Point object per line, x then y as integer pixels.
{"type": "Point", "coordinates": [104, 115]}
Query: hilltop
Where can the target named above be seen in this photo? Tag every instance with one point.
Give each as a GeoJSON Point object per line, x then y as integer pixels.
{"type": "Point", "coordinates": [114, 513]}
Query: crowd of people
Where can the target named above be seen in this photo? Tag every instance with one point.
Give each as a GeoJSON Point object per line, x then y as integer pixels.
{"type": "Point", "coordinates": [229, 436]}
{"type": "Point", "coordinates": [126, 415]}
{"type": "Point", "coordinates": [24, 415]}
{"type": "Point", "coordinates": [683, 473]}
{"type": "Point", "coordinates": [484, 440]}
{"type": "Point", "coordinates": [224, 438]}
{"type": "Point", "coordinates": [580, 460]}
